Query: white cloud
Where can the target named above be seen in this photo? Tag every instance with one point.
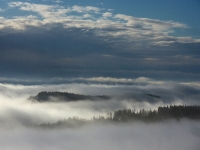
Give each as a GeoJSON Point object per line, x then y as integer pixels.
{"type": "Point", "coordinates": [117, 28]}
{"type": "Point", "coordinates": [19, 22]}
{"type": "Point", "coordinates": [153, 25]}
{"type": "Point", "coordinates": [87, 16]}
{"type": "Point", "coordinates": [107, 14]}
{"type": "Point", "coordinates": [193, 84]}
{"type": "Point", "coordinates": [139, 80]}
{"type": "Point", "coordinates": [57, 1]}
{"type": "Point", "coordinates": [46, 11]}
{"type": "Point", "coordinates": [1, 10]}
{"type": "Point", "coordinates": [86, 9]}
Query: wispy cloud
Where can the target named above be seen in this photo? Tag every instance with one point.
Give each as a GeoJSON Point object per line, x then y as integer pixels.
{"type": "Point", "coordinates": [1, 10]}
{"type": "Point", "coordinates": [139, 80]}
{"type": "Point", "coordinates": [58, 1]}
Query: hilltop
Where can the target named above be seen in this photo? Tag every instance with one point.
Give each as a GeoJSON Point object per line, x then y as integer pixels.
{"type": "Point", "coordinates": [65, 96]}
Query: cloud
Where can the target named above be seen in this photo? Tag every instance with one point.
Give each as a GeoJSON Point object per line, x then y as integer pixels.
{"type": "Point", "coordinates": [72, 40]}
{"type": "Point", "coordinates": [107, 14]}
{"type": "Point", "coordinates": [86, 9]}
{"type": "Point", "coordinates": [197, 84]}
{"type": "Point", "coordinates": [147, 23]}
{"type": "Point", "coordinates": [1, 10]}
{"type": "Point", "coordinates": [57, 1]}
{"type": "Point", "coordinates": [139, 80]}
{"type": "Point", "coordinates": [129, 28]}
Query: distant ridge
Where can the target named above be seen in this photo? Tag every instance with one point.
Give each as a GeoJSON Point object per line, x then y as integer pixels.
{"type": "Point", "coordinates": [151, 95]}
{"type": "Point", "coordinates": [65, 96]}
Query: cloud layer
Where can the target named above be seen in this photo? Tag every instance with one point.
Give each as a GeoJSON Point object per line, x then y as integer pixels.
{"type": "Point", "coordinates": [17, 109]}
{"type": "Point", "coordinates": [17, 115]}
{"type": "Point", "coordinates": [98, 21]}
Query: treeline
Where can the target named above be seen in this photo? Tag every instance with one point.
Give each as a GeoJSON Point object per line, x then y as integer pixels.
{"type": "Point", "coordinates": [65, 96]}
{"type": "Point", "coordinates": [163, 113]}
{"type": "Point", "coordinates": [128, 115]}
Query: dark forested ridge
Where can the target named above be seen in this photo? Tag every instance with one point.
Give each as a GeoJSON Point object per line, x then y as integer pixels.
{"type": "Point", "coordinates": [65, 96]}
{"type": "Point", "coordinates": [128, 115]}
{"type": "Point", "coordinates": [163, 113]}
{"type": "Point", "coordinates": [151, 95]}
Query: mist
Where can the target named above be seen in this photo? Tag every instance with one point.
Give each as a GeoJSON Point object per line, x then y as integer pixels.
{"type": "Point", "coordinates": [19, 115]}
{"type": "Point", "coordinates": [169, 135]}
{"type": "Point", "coordinates": [15, 108]}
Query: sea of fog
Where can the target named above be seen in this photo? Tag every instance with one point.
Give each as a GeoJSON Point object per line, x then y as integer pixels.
{"type": "Point", "coordinates": [171, 135]}
{"type": "Point", "coordinates": [18, 115]}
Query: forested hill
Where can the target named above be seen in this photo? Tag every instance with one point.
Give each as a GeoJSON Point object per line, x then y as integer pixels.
{"type": "Point", "coordinates": [65, 96]}
{"type": "Point", "coordinates": [128, 115]}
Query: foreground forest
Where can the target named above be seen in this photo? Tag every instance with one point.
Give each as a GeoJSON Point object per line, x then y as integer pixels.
{"type": "Point", "coordinates": [128, 115]}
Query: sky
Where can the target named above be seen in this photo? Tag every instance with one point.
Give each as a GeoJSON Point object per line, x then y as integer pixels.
{"type": "Point", "coordinates": [44, 39]}
{"type": "Point", "coordinates": [124, 49]}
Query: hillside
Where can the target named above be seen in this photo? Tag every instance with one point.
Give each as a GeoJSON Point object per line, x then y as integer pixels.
{"type": "Point", "coordinates": [65, 96]}
{"type": "Point", "coordinates": [128, 115]}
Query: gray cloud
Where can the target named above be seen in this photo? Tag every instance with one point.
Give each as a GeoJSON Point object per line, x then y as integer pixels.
{"type": "Point", "coordinates": [150, 31]}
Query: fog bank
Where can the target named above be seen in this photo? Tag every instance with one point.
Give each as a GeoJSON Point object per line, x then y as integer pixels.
{"type": "Point", "coordinates": [16, 109]}
{"type": "Point", "coordinates": [18, 115]}
{"type": "Point", "coordinates": [171, 135]}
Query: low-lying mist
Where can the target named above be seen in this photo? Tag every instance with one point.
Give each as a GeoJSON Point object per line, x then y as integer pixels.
{"type": "Point", "coordinates": [18, 115]}
{"type": "Point", "coordinates": [171, 135]}
{"type": "Point", "coordinates": [15, 108]}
